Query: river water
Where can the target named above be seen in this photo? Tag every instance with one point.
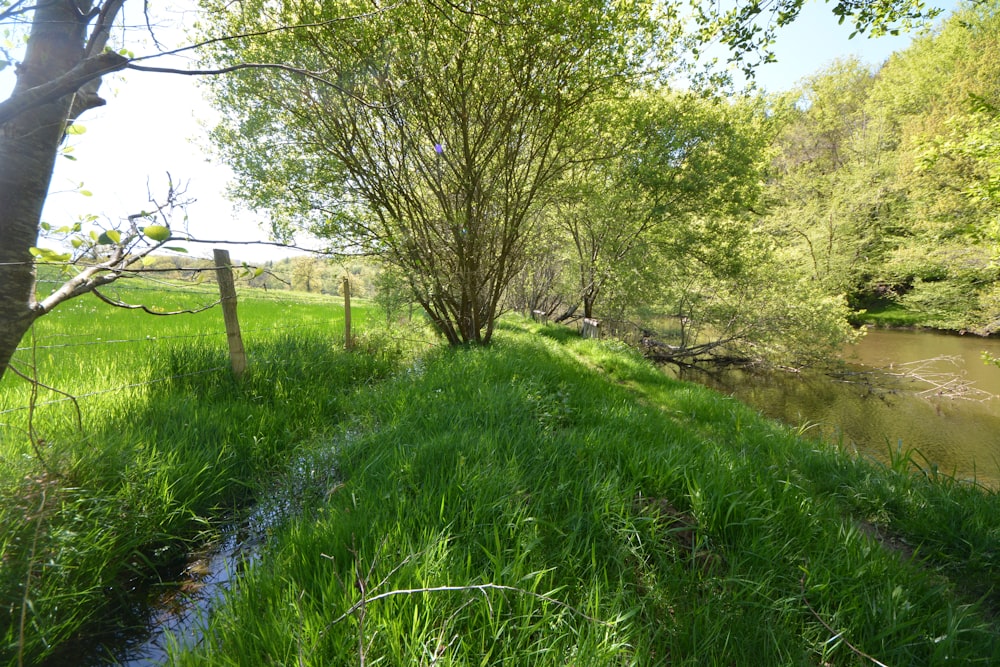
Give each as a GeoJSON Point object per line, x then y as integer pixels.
{"type": "Point", "coordinates": [916, 391]}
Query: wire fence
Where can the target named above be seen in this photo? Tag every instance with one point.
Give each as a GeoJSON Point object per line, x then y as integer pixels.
{"type": "Point", "coordinates": [59, 343]}
{"type": "Point", "coordinates": [151, 338]}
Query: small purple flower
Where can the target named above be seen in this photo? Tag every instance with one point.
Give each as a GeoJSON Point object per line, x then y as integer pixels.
{"type": "Point", "coordinates": [439, 148]}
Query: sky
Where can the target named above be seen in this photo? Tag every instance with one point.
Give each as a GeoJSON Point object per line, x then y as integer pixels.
{"type": "Point", "coordinates": [156, 123]}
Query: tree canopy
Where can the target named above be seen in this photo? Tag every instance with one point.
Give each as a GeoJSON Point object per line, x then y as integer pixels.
{"type": "Point", "coordinates": [432, 136]}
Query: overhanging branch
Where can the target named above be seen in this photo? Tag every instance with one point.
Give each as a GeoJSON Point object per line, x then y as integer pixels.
{"type": "Point", "coordinates": [67, 84]}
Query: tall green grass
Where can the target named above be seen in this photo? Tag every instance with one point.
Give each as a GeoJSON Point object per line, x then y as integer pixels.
{"type": "Point", "coordinates": [165, 447]}
{"type": "Point", "coordinates": [551, 501]}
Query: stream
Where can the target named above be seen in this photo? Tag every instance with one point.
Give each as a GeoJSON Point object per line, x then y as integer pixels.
{"type": "Point", "coordinates": [927, 393]}
{"type": "Point", "coordinates": [176, 617]}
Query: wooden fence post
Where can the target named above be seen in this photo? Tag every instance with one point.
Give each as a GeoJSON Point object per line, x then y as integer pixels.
{"type": "Point", "coordinates": [348, 343]}
{"type": "Point", "coordinates": [227, 293]}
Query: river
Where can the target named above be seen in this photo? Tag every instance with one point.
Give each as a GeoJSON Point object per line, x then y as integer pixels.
{"type": "Point", "coordinates": [949, 419]}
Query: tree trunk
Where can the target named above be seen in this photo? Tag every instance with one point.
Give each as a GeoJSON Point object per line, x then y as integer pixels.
{"type": "Point", "coordinates": [29, 144]}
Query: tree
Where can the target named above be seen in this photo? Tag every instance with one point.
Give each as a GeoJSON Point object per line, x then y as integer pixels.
{"type": "Point", "coordinates": [445, 178]}
{"type": "Point", "coordinates": [833, 189]}
{"type": "Point", "coordinates": [657, 161]}
{"type": "Point", "coordinates": [57, 80]}
{"type": "Point", "coordinates": [430, 134]}
{"type": "Point", "coordinates": [883, 181]}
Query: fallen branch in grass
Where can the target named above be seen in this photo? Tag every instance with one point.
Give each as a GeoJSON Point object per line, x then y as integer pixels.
{"type": "Point", "coordinates": [362, 584]}
{"type": "Point", "coordinates": [469, 587]}
{"type": "Point", "coordinates": [836, 635]}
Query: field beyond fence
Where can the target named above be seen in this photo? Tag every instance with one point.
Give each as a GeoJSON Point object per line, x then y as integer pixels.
{"type": "Point", "coordinates": [124, 436]}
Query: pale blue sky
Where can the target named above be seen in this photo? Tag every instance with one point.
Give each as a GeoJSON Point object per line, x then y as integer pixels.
{"type": "Point", "coordinates": [815, 39]}
{"type": "Point", "coordinates": [154, 123]}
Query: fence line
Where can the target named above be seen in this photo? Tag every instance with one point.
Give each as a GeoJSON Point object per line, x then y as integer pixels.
{"type": "Point", "coordinates": [228, 292]}
{"type": "Point", "coordinates": [156, 338]}
{"type": "Point", "coordinates": [146, 383]}
{"type": "Point", "coordinates": [114, 389]}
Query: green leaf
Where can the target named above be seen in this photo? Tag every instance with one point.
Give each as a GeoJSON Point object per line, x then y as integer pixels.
{"type": "Point", "coordinates": [76, 129]}
{"type": "Point", "coordinates": [158, 233]}
{"type": "Point", "coordinates": [76, 243]}
{"type": "Point", "coordinates": [177, 249]}
{"type": "Point", "coordinates": [86, 193]}
{"type": "Point", "coordinates": [109, 237]}
{"type": "Point", "coordinates": [47, 255]}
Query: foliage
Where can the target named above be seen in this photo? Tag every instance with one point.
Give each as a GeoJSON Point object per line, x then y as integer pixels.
{"type": "Point", "coordinates": [885, 182]}
{"type": "Point", "coordinates": [443, 178]}
{"type": "Point", "coordinates": [653, 162]}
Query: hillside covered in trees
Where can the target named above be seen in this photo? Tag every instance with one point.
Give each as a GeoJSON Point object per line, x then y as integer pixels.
{"type": "Point", "coordinates": [886, 183]}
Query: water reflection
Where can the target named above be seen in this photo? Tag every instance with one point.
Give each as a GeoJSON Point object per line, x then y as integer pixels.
{"type": "Point", "coordinates": [876, 412]}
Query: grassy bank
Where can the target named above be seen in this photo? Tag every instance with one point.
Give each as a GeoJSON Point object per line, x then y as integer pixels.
{"type": "Point", "coordinates": [889, 315]}
{"type": "Point", "coordinates": [552, 501]}
{"type": "Point", "coordinates": [160, 446]}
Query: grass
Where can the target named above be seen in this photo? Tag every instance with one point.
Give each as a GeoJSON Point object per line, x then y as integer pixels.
{"type": "Point", "coordinates": [166, 446]}
{"type": "Point", "coordinates": [554, 501]}
{"type": "Point", "coordinates": [890, 315]}
{"type": "Point", "coordinates": [544, 501]}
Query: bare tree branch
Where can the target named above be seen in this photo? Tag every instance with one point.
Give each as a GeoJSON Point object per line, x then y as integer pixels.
{"type": "Point", "coordinates": [315, 76]}
{"type": "Point", "coordinates": [146, 309]}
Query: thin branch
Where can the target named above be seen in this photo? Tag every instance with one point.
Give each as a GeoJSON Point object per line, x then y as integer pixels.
{"type": "Point", "coordinates": [66, 84]}
{"type": "Point", "coordinates": [269, 31]}
{"type": "Point", "coordinates": [241, 66]}
{"type": "Point", "coordinates": [69, 396]}
{"type": "Point", "coordinates": [482, 588]}
{"type": "Point", "coordinates": [147, 309]}
{"type": "Point", "coordinates": [16, 9]}
{"type": "Point", "coordinates": [191, 239]}
{"type": "Point", "coordinates": [857, 651]}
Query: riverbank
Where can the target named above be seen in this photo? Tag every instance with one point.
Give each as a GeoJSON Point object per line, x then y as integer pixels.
{"type": "Point", "coordinates": [548, 500]}
{"type": "Point", "coordinates": [551, 500]}
{"type": "Point", "coordinates": [889, 315]}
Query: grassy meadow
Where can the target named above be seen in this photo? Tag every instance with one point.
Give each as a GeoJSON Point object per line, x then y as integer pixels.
{"type": "Point", "coordinates": [160, 448]}
{"type": "Point", "coordinates": [543, 501]}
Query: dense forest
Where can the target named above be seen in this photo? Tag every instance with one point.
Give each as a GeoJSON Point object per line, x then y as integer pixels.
{"type": "Point", "coordinates": [885, 182]}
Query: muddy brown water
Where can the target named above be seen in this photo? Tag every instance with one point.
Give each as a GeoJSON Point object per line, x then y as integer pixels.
{"type": "Point", "coordinates": [927, 393]}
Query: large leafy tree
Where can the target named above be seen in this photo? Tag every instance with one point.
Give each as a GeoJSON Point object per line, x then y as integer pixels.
{"type": "Point", "coordinates": [434, 133]}
{"type": "Point", "coordinates": [834, 194]}
{"type": "Point", "coordinates": [658, 161]}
